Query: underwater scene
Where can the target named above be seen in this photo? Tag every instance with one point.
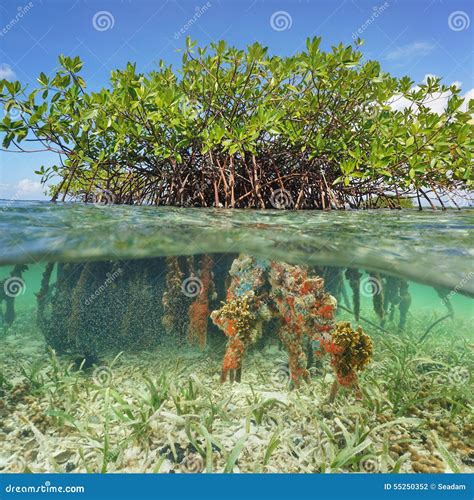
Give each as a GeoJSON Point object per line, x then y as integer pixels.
{"type": "Point", "coordinates": [167, 340]}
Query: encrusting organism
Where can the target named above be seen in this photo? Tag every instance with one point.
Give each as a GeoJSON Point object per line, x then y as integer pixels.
{"type": "Point", "coordinates": [240, 323]}
{"type": "Point", "coordinates": [199, 310]}
{"type": "Point", "coordinates": [174, 301]}
{"type": "Point", "coordinates": [305, 310]}
{"type": "Point", "coordinates": [351, 351]}
{"type": "Point", "coordinates": [243, 313]}
{"type": "Point", "coordinates": [262, 289]}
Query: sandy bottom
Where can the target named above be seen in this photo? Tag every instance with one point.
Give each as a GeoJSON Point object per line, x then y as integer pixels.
{"type": "Point", "coordinates": [165, 411]}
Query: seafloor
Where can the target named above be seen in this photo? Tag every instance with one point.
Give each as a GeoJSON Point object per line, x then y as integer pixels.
{"type": "Point", "coordinates": [165, 410]}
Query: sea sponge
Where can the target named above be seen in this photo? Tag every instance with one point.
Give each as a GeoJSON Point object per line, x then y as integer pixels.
{"type": "Point", "coordinates": [239, 320]}
{"type": "Point", "coordinates": [351, 351]}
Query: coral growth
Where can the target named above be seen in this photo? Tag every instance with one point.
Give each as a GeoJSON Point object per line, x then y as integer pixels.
{"type": "Point", "coordinates": [239, 322]}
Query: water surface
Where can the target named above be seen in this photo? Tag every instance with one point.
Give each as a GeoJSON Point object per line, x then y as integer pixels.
{"type": "Point", "coordinates": [430, 247]}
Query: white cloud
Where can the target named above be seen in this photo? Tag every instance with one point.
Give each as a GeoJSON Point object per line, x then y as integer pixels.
{"type": "Point", "coordinates": [6, 72]}
{"type": "Point", "coordinates": [437, 101]}
{"type": "Point", "coordinates": [410, 51]}
{"type": "Point", "coordinates": [25, 189]}
{"type": "Point", "coordinates": [467, 96]}
{"type": "Point", "coordinates": [27, 186]}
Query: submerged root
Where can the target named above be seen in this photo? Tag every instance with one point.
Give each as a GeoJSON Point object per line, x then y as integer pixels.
{"type": "Point", "coordinates": [305, 310]}
{"type": "Point", "coordinates": [260, 290]}
{"type": "Point", "coordinates": [243, 313]}
{"type": "Point", "coordinates": [10, 288]}
{"type": "Point", "coordinates": [199, 310]}
{"type": "Point", "coordinates": [240, 323]}
{"type": "Point", "coordinates": [173, 297]}
{"type": "Point", "coordinates": [353, 275]}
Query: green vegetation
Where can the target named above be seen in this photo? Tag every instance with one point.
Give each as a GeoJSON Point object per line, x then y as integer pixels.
{"type": "Point", "coordinates": [161, 415]}
{"type": "Point", "coordinates": [241, 128]}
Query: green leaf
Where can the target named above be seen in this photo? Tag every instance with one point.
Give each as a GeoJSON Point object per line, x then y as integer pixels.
{"type": "Point", "coordinates": [234, 455]}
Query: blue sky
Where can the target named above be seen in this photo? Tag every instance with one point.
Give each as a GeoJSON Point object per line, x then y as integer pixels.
{"type": "Point", "coordinates": [408, 37]}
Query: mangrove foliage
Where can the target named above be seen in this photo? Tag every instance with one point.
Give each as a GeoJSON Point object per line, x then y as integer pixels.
{"type": "Point", "coordinates": [243, 128]}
